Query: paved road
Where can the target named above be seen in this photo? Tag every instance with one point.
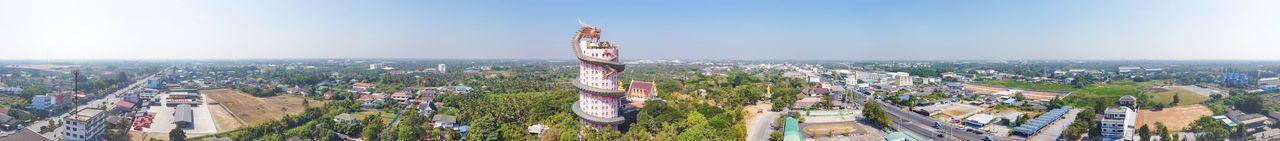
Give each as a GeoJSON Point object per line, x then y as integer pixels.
{"type": "Point", "coordinates": [106, 100]}
{"type": "Point", "coordinates": [761, 126]}
{"type": "Point", "coordinates": [923, 126]}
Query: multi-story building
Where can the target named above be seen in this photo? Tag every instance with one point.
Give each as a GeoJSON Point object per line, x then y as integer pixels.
{"type": "Point", "coordinates": [83, 125]}
{"type": "Point", "coordinates": [441, 68]}
{"type": "Point", "coordinates": [600, 96]}
{"type": "Point", "coordinates": [1235, 79]}
{"type": "Point", "coordinates": [1118, 123]}
{"type": "Point", "coordinates": [41, 102]}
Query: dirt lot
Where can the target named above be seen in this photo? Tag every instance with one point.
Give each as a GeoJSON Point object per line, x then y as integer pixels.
{"type": "Point", "coordinates": [256, 110]}
{"type": "Point", "coordinates": [1175, 118]}
{"type": "Point", "coordinates": [839, 128]}
{"type": "Point", "coordinates": [225, 121]}
{"type": "Point", "coordinates": [960, 110]}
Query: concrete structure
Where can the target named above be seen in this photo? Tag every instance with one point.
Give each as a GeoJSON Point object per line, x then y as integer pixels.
{"type": "Point", "coordinates": [83, 125]}
{"type": "Point", "coordinates": [600, 96]}
{"type": "Point", "coordinates": [42, 102]}
{"type": "Point", "coordinates": [641, 91]}
{"type": "Point", "coordinates": [1235, 79]}
{"type": "Point", "coordinates": [441, 68]}
{"type": "Point", "coordinates": [1118, 123]}
{"type": "Point", "coordinates": [1269, 81]}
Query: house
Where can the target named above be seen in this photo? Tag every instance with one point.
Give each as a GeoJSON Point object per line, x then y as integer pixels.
{"type": "Point", "coordinates": [641, 91]}
{"type": "Point", "coordinates": [537, 129]}
{"type": "Point", "coordinates": [363, 86]}
{"type": "Point", "coordinates": [443, 121]}
{"type": "Point", "coordinates": [1250, 121]}
{"type": "Point", "coordinates": [9, 122]}
{"type": "Point", "coordinates": [428, 92]}
{"type": "Point", "coordinates": [424, 108]}
{"type": "Point", "coordinates": [401, 96]}
{"type": "Point", "coordinates": [328, 94]}
{"type": "Point", "coordinates": [1128, 100]}
{"type": "Point", "coordinates": [348, 118]}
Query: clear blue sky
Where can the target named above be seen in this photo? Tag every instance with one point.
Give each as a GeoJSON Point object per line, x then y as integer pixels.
{"type": "Point", "coordinates": [840, 30]}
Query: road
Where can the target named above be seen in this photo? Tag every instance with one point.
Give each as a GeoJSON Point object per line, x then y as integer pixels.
{"type": "Point", "coordinates": [923, 126]}
{"type": "Point", "coordinates": [105, 100]}
{"type": "Point", "coordinates": [762, 125]}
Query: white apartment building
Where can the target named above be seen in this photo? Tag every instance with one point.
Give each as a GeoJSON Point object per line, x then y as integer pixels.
{"type": "Point", "coordinates": [1119, 123]}
{"type": "Point", "coordinates": [441, 68]}
{"type": "Point", "coordinates": [83, 125]}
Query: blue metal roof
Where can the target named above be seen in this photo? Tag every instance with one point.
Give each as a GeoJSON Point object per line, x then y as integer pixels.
{"type": "Point", "coordinates": [1043, 120]}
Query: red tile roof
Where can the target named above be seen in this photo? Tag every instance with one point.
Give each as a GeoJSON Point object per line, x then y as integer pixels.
{"type": "Point", "coordinates": [365, 97]}
{"type": "Point", "coordinates": [123, 103]}
{"type": "Point", "coordinates": [362, 84]}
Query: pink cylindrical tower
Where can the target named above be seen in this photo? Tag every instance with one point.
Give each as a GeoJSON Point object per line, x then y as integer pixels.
{"type": "Point", "coordinates": [599, 97]}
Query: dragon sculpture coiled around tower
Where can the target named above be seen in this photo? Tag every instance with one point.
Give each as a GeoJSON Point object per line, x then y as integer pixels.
{"type": "Point", "coordinates": [600, 95]}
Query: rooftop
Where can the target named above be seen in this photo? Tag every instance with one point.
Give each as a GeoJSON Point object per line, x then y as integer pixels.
{"type": "Point", "coordinates": [86, 114]}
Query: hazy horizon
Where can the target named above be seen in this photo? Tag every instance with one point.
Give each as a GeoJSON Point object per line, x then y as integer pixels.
{"type": "Point", "coordinates": [756, 30]}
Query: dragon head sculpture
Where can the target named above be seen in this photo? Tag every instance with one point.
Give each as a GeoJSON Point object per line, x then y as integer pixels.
{"type": "Point", "coordinates": [589, 31]}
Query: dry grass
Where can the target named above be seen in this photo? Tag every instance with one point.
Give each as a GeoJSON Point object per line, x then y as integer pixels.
{"type": "Point", "coordinates": [1175, 118]}
{"type": "Point", "coordinates": [256, 110]}
{"type": "Point", "coordinates": [225, 121]}
{"type": "Point", "coordinates": [825, 129]}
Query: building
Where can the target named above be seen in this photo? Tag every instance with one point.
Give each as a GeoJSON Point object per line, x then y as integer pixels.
{"type": "Point", "coordinates": [441, 68]}
{"type": "Point", "coordinates": [125, 106]}
{"type": "Point", "coordinates": [979, 120]}
{"type": "Point", "coordinates": [792, 130]}
{"type": "Point", "coordinates": [443, 121]}
{"type": "Point", "coordinates": [182, 116]}
{"type": "Point", "coordinates": [1129, 69]}
{"type": "Point", "coordinates": [1128, 100]}
{"type": "Point", "coordinates": [537, 129]}
{"type": "Point", "coordinates": [641, 91]}
{"type": "Point", "coordinates": [41, 102]}
{"type": "Point", "coordinates": [1118, 123]}
{"type": "Point", "coordinates": [1269, 81]}
{"type": "Point", "coordinates": [599, 93]}
{"type": "Point", "coordinates": [84, 124]}
{"type": "Point", "coordinates": [9, 123]}
{"type": "Point", "coordinates": [401, 96]}
{"type": "Point", "coordinates": [24, 134]}
{"type": "Point", "coordinates": [363, 86]}
{"type": "Point", "coordinates": [1250, 121]}
{"type": "Point", "coordinates": [347, 118]}
{"type": "Point", "coordinates": [1235, 79]}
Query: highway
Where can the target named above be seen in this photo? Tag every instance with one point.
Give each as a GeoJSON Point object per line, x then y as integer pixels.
{"type": "Point", "coordinates": [109, 99]}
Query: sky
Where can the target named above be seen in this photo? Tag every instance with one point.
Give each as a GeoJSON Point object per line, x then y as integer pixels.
{"type": "Point", "coordinates": [648, 29]}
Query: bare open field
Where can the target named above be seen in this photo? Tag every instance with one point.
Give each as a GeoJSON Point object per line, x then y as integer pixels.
{"type": "Point", "coordinates": [825, 129]}
{"type": "Point", "coordinates": [224, 120]}
{"type": "Point", "coordinates": [256, 110]}
{"type": "Point", "coordinates": [1175, 118]}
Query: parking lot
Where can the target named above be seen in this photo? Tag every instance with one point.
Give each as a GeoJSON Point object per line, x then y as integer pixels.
{"type": "Point", "coordinates": [203, 122]}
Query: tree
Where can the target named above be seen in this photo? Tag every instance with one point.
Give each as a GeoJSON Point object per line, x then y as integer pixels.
{"type": "Point", "coordinates": [1163, 131]}
{"type": "Point", "coordinates": [877, 115]}
{"type": "Point", "coordinates": [1175, 99]}
{"type": "Point", "coordinates": [1144, 132]}
{"type": "Point", "coordinates": [177, 135]}
{"type": "Point", "coordinates": [775, 135]}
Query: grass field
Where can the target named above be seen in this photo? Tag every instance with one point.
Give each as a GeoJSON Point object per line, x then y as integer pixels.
{"type": "Point", "coordinates": [1029, 85]}
{"type": "Point", "coordinates": [386, 117]}
{"type": "Point", "coordinates": [256, 110]}
{"type": "Point", "coordinates": [1185, 97]}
